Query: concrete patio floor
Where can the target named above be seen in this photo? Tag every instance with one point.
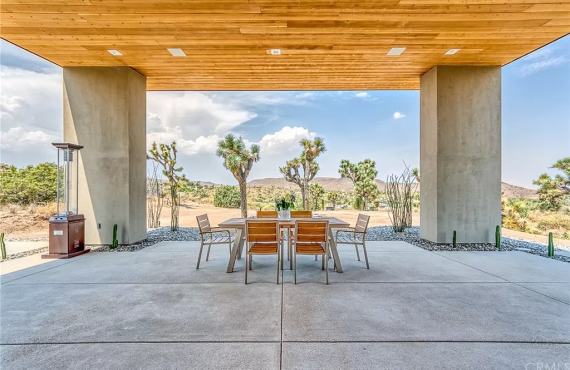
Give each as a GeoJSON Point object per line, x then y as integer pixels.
{"type": "Point", "coordinates": [413, 309]}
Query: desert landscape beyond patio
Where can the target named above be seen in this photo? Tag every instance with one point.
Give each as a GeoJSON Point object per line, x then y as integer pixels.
{"type": "Point", "coordinates": [413, 309]}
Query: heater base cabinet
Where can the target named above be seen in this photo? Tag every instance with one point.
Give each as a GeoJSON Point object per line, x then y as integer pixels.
{"type": "Point", "coordinates": [66, 237]}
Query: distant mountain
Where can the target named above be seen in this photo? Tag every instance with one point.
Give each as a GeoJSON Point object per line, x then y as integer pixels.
{"type": "Point", "coordinates": [343, 184]}
{"type": "Point", "coordinates": [329, 183]}
{"type": "Point", "coordinates": [514, 191]}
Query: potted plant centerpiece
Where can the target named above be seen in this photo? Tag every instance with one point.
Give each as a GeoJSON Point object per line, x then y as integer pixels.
{"type": "Point", "coordinates": [284, 205]}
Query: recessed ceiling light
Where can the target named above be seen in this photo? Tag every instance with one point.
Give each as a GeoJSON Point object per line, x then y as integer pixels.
{"type": "Point", "coordinates": [115, 52]}
{"type": "Point", "coordinates": [275, 51]}
{"type": "Point", "coordinates": [451, 51]}
{"type": "Point", "coordinates": [177, 52]}
{"type": "Point", "coordinates": [396, 51]}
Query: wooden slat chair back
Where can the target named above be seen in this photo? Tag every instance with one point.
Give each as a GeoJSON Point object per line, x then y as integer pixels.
{"type": "Point", "coordinates": [267, 214]}
{"type": "Point", "coordinates": [311, 238]}
{"type": "Point", "coordinates": [262, 237]}
{"type": "Point", "coordinates": [203, 223]}
{"type": "Point", "coordinates": [362, 223]}
{"type": "Point", "coordinates": [355, 235]}
{"type": "Point", "coordinates": [294, 215]}
{"type": "Point", "coordinates": [211, 235]}
{"type": "Point", "coordinates": [301, 214]}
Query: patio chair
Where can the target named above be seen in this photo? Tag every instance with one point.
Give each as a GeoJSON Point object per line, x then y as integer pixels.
{"type": "Point", "coordinates": [301, 214]}
{"type": "Point", "coordinates": [211, 235]}
{"type": "Point", "coordinates": [262, 237]}
{"type": "Point", "coordinates": [311, 238]}
{"type": "Point", "coordinates": [267, 214]}
{"type": "Point", "coordinates": [295, 214]}
{"type": "Point", "coordinates": [355, 235]}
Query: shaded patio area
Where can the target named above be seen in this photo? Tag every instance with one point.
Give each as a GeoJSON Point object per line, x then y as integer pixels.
{"type": "Point", "coordinates": [413, 309]}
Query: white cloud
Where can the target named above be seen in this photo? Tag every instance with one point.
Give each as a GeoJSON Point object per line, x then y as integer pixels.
{"type": "Point", "coordinates": [31, 105]}
{"type": "Point", "coordinates": [17, 139]}
{"type": "Point", "coordinates": [286, 139]}
{"type": "Point", "coordinates": [160, 133]}
{"type": "Point", "coordinates": [534, 67]}
{"type": "Point", "coordinates": [365, 96]}
{"type": "Point", "coordinates": [195, 114]}
{"type": "Point", "coordinates": [398, 115]}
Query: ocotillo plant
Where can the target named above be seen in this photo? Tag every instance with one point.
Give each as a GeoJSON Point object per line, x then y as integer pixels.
{"type": "Point", "coordinates": [115, 240]}
{"type": "Point", "coordinates": [550, 245]}
{"type": "Point", "coordinates": [454, 239]}
{"type": "Point", "coordinates": [498, 237]}
{"type": "Point", "coordinates": [2, 246]}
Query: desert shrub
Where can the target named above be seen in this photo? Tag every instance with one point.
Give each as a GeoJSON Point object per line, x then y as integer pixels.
{"type": "Point", "coordinates": [358, 203]}
{"type": "Point", "coordinates": [227, 197]}
{"type": "Point", "coordinates": [28, 185]}
{"type": "Point", "coordinates": [552, 221]}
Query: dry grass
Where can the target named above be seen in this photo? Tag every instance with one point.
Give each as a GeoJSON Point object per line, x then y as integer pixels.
{"type": "Point", "coordinates": [46, 211]}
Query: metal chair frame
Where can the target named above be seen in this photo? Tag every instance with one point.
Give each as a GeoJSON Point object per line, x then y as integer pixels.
{"type": "Point", "coordinates": [356, 236]}
{"type": "Point", "coordinates": [208, 238]}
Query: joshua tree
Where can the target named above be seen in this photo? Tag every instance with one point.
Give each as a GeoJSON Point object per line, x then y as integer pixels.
{"type": "Point", "coordinates": [416, 173]}
{"type": "Point", "coordinates": [165, 155]}
{"type": "Point", "coordinates": [239, 160]}
{"type": "Point", "coordinates": [554, 192]}
{"type": "Point", "coordinates": [363, 176]}
{"type": "Point", "coordinates": [311, 150]}
{"type": "Point", "coordinates": [333, 197]}
{"type": "Point", "coordinates": [317, 192]}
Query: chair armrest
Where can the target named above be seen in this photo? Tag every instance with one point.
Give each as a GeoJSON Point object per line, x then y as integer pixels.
{"type": "Point", "coordinates": [215, 230]}
{"type": "Point", "coordinates": [343, 230]}
{"type": "Point", "coordinates": [349, 230]}
{"type": "Point", "coordinates": [220, 230]}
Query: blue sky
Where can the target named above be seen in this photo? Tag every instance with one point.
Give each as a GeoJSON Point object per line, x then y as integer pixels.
{"type": "Point", "coordinates": [381, 125]}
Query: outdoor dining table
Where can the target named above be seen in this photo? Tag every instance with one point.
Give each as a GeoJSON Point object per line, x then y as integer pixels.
{"type": "Point", "coordinates": [239, 225]}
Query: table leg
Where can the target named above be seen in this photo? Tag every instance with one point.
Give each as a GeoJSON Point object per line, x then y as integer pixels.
{"type": "Point", "coordinates": [235, 250]}
{"type": "Point", "coordinates": [334, 251]}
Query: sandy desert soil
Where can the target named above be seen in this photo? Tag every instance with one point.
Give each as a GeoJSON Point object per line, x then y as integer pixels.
{"type": "Point", "coordinates": [23, 223]}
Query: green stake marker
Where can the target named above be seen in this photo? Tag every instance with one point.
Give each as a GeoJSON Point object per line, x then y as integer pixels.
{"type": "Point", "coordinates": [454, 239]}
{"type": "Point", "coordinates": [498, 237]}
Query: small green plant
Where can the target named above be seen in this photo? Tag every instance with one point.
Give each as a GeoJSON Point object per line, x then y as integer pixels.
{"type": "Point", "coordinates": [115, 240]}
{"type": "Point", "coordinates": [454, 239]}
{"type": "Point", "coordinates": [2, 246]}
{"type": "Point", "coordinates": [550, 245]}
{"type": "Point", "coordinates": [498, 237]}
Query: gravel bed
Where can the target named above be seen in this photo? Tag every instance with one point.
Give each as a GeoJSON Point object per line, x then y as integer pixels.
{"type": "Point", "coordinates": [154, 236]}
{"type": "Point", "coordinates": [25, 253]}
{"type": "Point", "coordinates": [412, 236]}
{"type": "Point", "coordinates": [32, 239]}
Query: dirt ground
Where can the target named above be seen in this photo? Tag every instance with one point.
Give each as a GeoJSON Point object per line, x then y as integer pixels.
{"type": "Point", "coordinates": [189, 212]}
{"type": "Point", "coordinates": [32, 223]}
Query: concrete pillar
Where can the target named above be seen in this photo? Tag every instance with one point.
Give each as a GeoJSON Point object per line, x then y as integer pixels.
{"type": "Point", "coordinates": [460, 153]}
{"type": "Point", "coordinates": [104, 109]}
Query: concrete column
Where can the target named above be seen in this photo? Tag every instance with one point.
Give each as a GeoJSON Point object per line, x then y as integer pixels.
{"type": "Point", "coordinates": [104, 109]}
{"type": "Point", "coordinates": [460, 153]}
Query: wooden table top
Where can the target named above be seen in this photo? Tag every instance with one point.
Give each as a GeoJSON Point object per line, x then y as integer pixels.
{"type": "Point", "coordinates": [240, 222]}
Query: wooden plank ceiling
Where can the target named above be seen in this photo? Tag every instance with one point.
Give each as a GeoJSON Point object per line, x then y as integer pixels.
{"type": "Point", "coordinates": [325, 44]}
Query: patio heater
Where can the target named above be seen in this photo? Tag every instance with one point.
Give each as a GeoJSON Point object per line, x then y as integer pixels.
{"type": "Point", "coordinates": [67, 227]}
